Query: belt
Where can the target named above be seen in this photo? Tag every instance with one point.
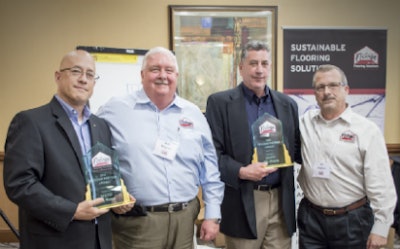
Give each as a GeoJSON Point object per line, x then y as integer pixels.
{"type": "Point", "coordinates": [339, 211]}
{"type": "Point", "coordinates": [169, 207]}
{"type": "Point", "coordinates": [266, 187]}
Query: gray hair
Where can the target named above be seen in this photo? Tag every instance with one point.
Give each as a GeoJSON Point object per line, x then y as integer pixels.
{"type": "Point", "coordinates": [253, 46]}
{"type": "Point", "coordinates": [328, 67]}
{"type": "Point", "coordinates": [160, 50]}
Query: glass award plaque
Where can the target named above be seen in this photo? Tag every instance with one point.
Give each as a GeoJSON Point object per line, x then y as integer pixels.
{"type": "Point", "coordinates": [103, 177]}
{"type": "Point", "coordinates": [268, 142]}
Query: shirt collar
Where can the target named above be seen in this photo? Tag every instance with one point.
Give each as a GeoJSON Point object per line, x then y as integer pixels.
{"type": "Point", "coordinates": [249, 94]}
{"type": "Point", "coordinates": [71, 112]}
{"type": "Point", "coordinates": [345, 116]}
{"type": "Point", "coordinates": [142, 98]}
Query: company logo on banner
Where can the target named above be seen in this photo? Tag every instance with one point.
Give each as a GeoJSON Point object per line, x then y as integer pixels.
{"type": "Point", "coordinates": [366, 58]}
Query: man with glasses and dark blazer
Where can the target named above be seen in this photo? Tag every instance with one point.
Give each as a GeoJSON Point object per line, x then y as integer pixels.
{"type": "Point", "coordinates": [43, 165]}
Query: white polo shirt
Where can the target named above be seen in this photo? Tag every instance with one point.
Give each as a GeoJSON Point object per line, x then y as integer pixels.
{"type": "Point", "coordinates": [344, 160]}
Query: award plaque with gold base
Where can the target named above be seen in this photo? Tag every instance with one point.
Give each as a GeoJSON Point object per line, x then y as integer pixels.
{"type": "Point", "coordinates": [268, 142]}
{"type": "Point", "coordinates": [103, 177]}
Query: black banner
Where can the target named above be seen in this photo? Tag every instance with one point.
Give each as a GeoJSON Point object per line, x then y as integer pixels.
{"type": "Point", "coordinates": [360, 53]}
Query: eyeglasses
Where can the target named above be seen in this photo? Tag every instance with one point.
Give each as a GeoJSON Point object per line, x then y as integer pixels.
{"type": "Point", "coordinates": [333, 86]}
{"type": "Point", "coordinates": [78, 72]}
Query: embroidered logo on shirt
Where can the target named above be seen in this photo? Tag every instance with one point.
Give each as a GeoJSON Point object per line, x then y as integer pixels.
{"type": "Point", "coordinates": [348, 136]}
{"type": "Point", "coordinates": [186, 123]}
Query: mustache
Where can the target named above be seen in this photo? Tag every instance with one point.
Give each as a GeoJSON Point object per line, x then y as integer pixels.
{"type": "Point", "coordinates": [328, 98]}
{"type": "Point", "coordinates": [160, 82]}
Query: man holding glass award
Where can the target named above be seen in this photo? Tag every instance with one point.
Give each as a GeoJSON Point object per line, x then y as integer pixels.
{"type": "Point", "coordinates": [46, 165]}
{"type": "Point", "coordinates": [256, 134]}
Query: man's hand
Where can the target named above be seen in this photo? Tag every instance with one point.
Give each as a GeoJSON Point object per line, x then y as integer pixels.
{"type": "Point", "coordinates": [87, 210]}
{"type": "Point", "coordinates": [209, 230]}
{"type": "Point", "coordinates": [125, 208]}
{"type": "Point", "coordinates": [376, 241]}
{"type": "Point", "coordinates": [255, 172]}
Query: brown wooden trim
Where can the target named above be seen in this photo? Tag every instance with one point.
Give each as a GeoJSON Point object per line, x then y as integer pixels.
{"type": "Point", "coordinates": [7, 236]}
{"type": "Point", "coordinates": [393, 149]}
{"type": "Point", "coordinates": [1, 156]}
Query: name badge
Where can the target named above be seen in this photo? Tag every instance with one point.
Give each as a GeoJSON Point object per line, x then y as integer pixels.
{"type": "Point", "coordinates": [166, 149]}
{"type": "Point", "coordinates": [321, 170]}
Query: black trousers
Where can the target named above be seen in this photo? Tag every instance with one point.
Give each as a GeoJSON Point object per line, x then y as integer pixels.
{"type": "Point", "coordinates": [346, 231]}
{"type": "Point", "coordinates": [97, 244]}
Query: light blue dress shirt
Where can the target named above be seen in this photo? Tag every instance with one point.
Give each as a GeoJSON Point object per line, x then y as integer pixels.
{"type": "Point", "coordinates": [81, 128]}
{"type": "Point", "coordinates": [137, 124]}
{"type": "Point", "coordinates": [82, 131]}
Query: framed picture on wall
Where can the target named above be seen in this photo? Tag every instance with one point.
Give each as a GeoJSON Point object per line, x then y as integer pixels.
{"type": "Point", "coordinates": [207, 41]}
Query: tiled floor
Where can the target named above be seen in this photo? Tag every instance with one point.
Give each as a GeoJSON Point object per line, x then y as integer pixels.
{"type": "Point", "coordinates": [9, 245]}
{"type": "Point", "coordinates": [16, 246]}
{"type": "Point", "coordinates": [201, 245]}
{"type": "Point", "coordinates": [396, 244]}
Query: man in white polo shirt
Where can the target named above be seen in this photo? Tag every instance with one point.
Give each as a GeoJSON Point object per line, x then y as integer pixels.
{"type": "Point", "coordinates": [349, 195]}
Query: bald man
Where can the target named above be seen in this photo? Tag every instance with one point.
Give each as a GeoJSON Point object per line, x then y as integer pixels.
{"type": "Point", "coordinates": [44, 160]}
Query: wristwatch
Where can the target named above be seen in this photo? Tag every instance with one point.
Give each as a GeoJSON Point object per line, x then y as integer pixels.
{"type": "Point", "coordinates": [216, 221]}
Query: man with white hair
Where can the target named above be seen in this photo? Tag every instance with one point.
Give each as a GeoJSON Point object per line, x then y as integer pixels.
{"type": "Point", "coordinates": [166, 153]}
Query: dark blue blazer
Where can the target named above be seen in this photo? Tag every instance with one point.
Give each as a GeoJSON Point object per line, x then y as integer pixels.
{"type": "Point", "coordinates": [43, 175]}
{"type": "Point", "coordinates": [226, 114]}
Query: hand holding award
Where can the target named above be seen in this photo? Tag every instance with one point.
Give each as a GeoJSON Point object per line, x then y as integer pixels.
{"type": "Point", "coordinates": [103, 177]}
